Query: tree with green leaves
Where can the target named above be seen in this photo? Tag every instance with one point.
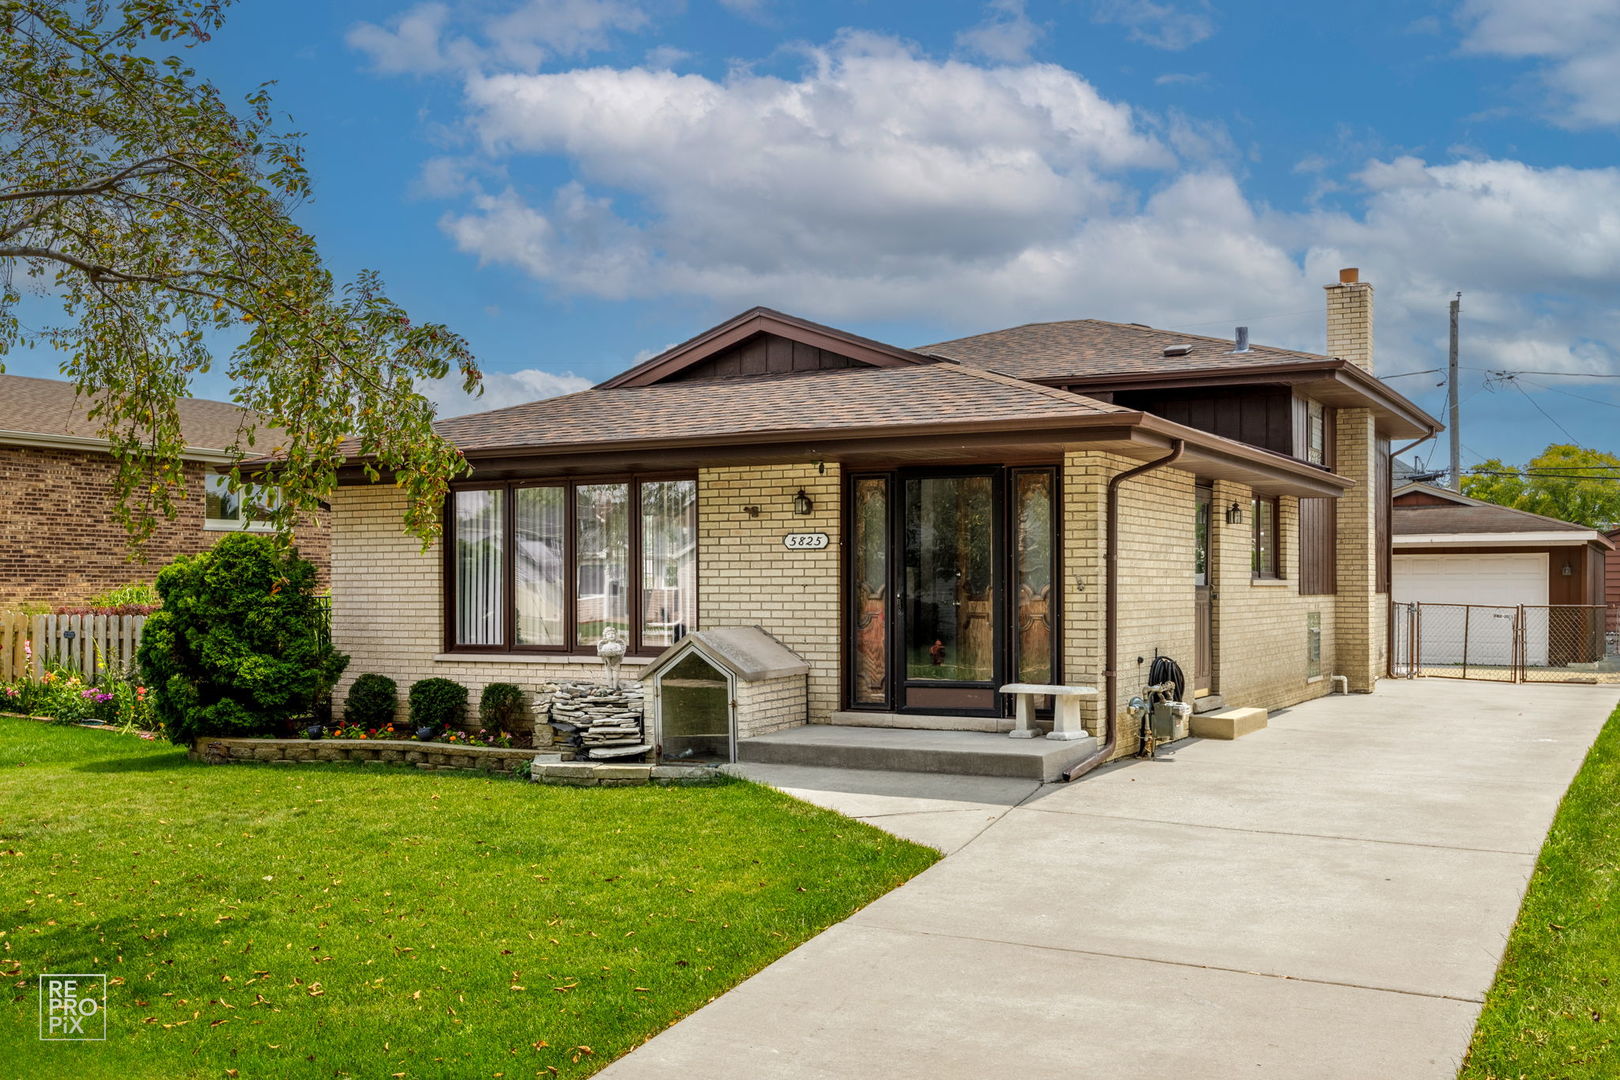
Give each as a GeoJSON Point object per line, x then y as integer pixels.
{"type": "Point", "coordinates": [1571, 483]}
{"type": "Point", "coordinates": [163, 223]}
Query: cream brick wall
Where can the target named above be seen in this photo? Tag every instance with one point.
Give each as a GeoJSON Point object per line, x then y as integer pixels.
{"type": "Point", "coordinates": [387, 607]}
{"type": "Point", "coordinates": [1362, 612]}
{"type": "Point", "coordinates": [1156, 592]}
{"type": "Point", "coordinates": [1261, 649]}
{"type": "Point", "coordinates": [747, 578]}
{"type": "Point", "coordinates": [771, 705]}
{"type": "Point", "coordinates": [1259, 644]}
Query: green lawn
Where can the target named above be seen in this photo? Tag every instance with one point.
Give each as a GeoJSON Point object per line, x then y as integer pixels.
{"type": "Point", "coordinates": [1553, 1010]}
{"type": "Point", "coordinates": [332, 921]}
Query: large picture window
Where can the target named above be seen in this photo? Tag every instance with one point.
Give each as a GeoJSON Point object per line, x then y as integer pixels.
{"type": "Point", "coordinates": [548, 567]}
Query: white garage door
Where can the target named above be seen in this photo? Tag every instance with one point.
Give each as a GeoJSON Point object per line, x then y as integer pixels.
{"type": "Point", "coordinates": [1482, 580]}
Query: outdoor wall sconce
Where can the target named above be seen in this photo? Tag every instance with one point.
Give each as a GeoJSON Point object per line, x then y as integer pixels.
{"type": "Point", "coordinates": [1234, 514]}
{"type": "Point", "coordinates": [802, 504]}
{"type": "Point", "coordinates": [1568, 571]}
{"type": "Point", "coordinates": [751, 511]}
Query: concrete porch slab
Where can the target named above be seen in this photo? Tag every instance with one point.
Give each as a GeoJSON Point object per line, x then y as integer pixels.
{"type": "Point", "coordinates": [964, 752]}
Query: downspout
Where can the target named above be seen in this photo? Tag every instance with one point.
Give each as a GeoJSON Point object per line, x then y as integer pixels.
{"type": "Point", "coordinates": [1110, 604]}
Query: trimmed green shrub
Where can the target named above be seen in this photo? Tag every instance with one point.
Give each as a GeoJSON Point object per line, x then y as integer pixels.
{"type": "Point", "coordinates": [438, 703]}
{"type": "Point", "coordinates": [372, 702]}
{"type": "Point", "coordinates": [240, 646]}
{"type": "Point", "coordinates": [502, 707]}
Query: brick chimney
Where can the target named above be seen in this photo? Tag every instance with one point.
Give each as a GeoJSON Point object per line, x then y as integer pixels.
{"type": "Point", "coordinates": [1350, 319]}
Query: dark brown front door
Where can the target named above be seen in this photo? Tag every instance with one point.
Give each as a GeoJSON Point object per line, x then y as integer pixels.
{"type": "Point", "coordinates": [951, 587]}
{"type": "Point", "coordinates": [1203, 591]}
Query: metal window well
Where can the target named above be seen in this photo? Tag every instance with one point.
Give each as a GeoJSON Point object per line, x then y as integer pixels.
{"type": "Point", "coordinates": [715, 686]}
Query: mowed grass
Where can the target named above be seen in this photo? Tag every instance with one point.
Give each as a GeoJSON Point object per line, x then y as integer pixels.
{"type": "Point", "coordinates": [330, 921]}
{"type": "Point", "coordinates": [1554, 1011]}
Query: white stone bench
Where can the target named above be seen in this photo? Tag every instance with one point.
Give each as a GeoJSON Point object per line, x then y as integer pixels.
{"type": "Point", "coordinates": [1065, 713]}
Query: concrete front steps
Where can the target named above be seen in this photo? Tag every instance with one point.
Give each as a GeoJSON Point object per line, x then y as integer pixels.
{"type": "Point", "coordinates": [970, 753]}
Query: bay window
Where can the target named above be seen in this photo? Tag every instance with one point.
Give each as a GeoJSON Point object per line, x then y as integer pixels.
{"type": "Point", "coordinates": [549, 566]}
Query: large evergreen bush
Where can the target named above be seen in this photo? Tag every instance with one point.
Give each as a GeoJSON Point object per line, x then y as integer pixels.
{"type": "Point", "coordinates": [240, 645]}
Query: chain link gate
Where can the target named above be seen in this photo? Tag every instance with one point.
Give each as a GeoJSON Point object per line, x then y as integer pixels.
{"type": "Point", "coordinates": [1571, 643]}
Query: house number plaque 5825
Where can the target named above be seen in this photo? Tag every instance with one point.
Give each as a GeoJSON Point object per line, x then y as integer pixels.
{"type": "Point", "coordinates": [806, 541]}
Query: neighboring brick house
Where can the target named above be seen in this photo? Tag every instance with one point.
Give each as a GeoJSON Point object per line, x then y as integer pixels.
{"type": "Point", "coordinates": [922, 526]}
{"type": "Point", "coordinates": [60, 540]}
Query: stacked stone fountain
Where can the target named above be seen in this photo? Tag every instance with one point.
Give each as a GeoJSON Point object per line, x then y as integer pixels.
{"type": "Point", "coordinates": [600, 723]}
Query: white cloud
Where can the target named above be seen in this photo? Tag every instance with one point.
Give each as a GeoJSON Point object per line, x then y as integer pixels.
{"type": "Point", "coordinates": [1170, 25]}
{"type": "Point", "coordinates": [501, 388]}
{"type": "Point", "coordinates": [1578, 39]}
{"type": "Point", "coordinates": [879, 183]}
{"type": "Point", "coordinates": [421, 41]}
{"type": "Point", "coordinates": [1006, 35]}
{"type": "Point", "coordinates": [876, 161]}
{"type": "Point", "coordinates": [412, 42]}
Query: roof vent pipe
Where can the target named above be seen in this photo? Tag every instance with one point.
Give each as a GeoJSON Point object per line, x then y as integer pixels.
{"type": "Point", "coordinates": [1240, 341]}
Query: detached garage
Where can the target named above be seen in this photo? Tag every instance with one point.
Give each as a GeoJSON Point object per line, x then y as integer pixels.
{"type": "Point", "coordinates": [1490, 560]}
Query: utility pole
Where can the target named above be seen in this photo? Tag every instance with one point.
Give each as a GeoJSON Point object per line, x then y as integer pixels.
{"type": "Point", "coordinates": [1451, 400]}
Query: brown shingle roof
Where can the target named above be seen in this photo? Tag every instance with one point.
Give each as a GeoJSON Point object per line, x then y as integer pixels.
{"type": "Point", "coordinates": [51, 407]}
{"type": "Point", "coordinates": [1085, 347]}
{"type": "Point", "coordinates": [854, 398]}
{"type": "Point", "coordinates": [1422, 520]}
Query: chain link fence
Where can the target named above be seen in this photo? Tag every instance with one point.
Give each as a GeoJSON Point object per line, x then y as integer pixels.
{"type": "Point", "coordinates": [1572, 643]}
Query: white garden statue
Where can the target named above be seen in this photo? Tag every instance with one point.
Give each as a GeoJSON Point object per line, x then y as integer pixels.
{"type": "Point", "coordinates": [611, 650]}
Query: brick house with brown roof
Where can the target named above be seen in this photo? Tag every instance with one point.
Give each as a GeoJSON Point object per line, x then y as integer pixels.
{"type": "Point", "coordinates": [60, 541]}
{"type": "Point", "coordinates": [922, 526]}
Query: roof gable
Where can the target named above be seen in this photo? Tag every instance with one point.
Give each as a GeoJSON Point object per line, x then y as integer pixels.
{"type": "Point", "coordinates": [1432, 495]}
{"type": "Point", "coordinates": [760, 342]}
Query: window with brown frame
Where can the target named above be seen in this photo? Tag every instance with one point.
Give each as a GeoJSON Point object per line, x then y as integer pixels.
{"type": "Point", "coordinates": [549, 566]}
{"type": "Point", "coordinates": [1266, 549]}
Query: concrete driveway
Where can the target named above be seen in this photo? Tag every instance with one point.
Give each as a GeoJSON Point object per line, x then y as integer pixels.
{"type": "Point", "coordinates": [1325, 899]}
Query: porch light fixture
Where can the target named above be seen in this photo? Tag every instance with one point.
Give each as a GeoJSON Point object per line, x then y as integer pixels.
{"type": "Point", "coordinates": [1234, 514]}
{"type": "Point", "coordinates": [1569, 571]}
{"type": "Point", "coordinates": [802, 504]}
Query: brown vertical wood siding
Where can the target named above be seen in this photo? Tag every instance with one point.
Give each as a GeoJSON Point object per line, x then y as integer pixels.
{"type": "Point", "coordinates": [1318, 547]}
{"type": "Point", "coordinates": [1262, 416]}
{"type": "Point", "coordinates": [764, 354]}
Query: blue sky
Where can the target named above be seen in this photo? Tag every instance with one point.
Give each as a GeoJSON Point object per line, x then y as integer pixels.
{"type": "Point", "coordinates": [574, 184]}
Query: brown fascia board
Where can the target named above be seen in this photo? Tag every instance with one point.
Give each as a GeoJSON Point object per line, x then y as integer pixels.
{"type": "Point", "coordinates": [1142, 429]}
{"type": "Point", "coordinates": [1368, 386]}
{"type": "Point", "coordinates": [763, 320]}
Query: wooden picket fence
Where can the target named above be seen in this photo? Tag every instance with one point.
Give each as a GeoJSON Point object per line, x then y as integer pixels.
{"type": "Point", "coordinates": [95, 646]}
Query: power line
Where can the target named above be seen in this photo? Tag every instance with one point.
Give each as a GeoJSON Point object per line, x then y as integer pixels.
{"type": "Point", "coordinates": [1550, 419]}
{"type": "Point", "coordinates": [1577, 397]}
{"type": "Point", "coordinates": [1507, 374]}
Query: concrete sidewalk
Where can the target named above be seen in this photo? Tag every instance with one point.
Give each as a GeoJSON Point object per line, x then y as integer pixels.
{"type": "Point", "coordinates": [1324, 899]}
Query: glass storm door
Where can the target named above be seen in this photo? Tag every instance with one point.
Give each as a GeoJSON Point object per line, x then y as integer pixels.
{"type": "Point", "coordinates": [950, 634]}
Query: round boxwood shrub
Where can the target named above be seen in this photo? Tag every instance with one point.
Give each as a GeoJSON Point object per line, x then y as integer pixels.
{"type": "Point", "coordinates": [502, 707]}
{"type": "Point", "coordinates": [240, 645]}
{"type": "Point", "coordinates": [372, 701]}
{"type": "Point", "coordinates": [438, 703]}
